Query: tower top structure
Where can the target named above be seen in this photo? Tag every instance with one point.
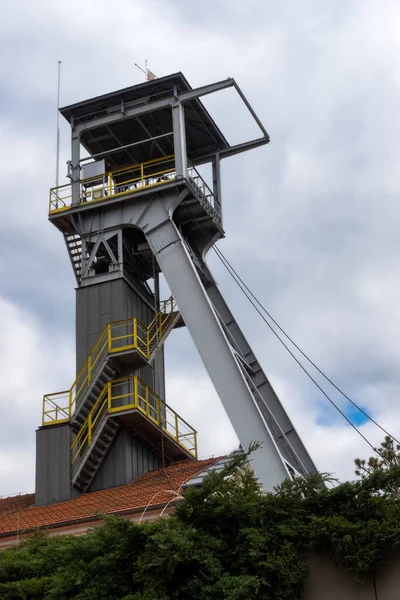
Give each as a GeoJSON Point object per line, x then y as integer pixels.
{"type": "Point", "coordinates": [155, 98]}
{"type": "Point", "coordinates": [136, 206]}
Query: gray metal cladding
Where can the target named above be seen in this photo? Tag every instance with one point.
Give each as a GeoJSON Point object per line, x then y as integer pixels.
{"type": "Point", "coordinates": [99, 304]}
{"type": "Point", "coordinates": [53, 464]}
{"type": "Point", "coordinates": [127, 459]}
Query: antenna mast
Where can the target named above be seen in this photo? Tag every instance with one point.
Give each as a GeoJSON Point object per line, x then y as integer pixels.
{"type": "Point", "coordinates": [58, 125]}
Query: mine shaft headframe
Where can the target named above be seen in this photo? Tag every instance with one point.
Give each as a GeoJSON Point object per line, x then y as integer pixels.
{"type": "Point", "coordinates": [133, 125]}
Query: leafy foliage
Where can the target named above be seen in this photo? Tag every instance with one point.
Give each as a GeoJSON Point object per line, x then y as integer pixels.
{"type": "Point", "coordinates": [389, 456]}
{"type": "Point", "coordinates": [226, 541]}
{"type": "Point", "coordinates": [389, 460]}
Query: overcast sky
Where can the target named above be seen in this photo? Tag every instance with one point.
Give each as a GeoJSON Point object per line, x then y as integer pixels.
{"type": "Point", "coordinates": [312, 219]}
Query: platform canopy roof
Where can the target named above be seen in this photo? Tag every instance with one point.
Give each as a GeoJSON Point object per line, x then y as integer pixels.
{"type": "Point", "coordinates": [202, 134]}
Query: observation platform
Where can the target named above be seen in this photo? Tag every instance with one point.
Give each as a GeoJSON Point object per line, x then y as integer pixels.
{"type": "Point", "coordinates": [131, 132]}
{"type": "Point", "coordinates": [134, 181]}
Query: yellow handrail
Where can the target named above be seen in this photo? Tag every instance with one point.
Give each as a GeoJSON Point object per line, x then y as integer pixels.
{"type": "Point", "coordinates": [115, 183]}
{"type": "Point", "coordinates": [53, 412]}
{"type": "Point", "coordinates": [157, 326]}
{"type": "Point", "coordinates": [126, 394]}
{"type": "Point", "coordinates": [117, 336]}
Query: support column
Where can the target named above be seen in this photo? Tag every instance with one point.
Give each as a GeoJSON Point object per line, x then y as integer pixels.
{"type": "Point", "coordinates": [268, 401]}
{"type": "Point", "coordinates": [75, 167]}
{"type": "Point", "coordinates": [178, 122]}
{"type": "Point", "coordinates": [215, 351]}
{"type": "Point", "coordinates": [216, 169]}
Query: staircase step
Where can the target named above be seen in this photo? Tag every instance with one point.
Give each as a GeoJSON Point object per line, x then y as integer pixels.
{"type": "Point", "coordinates": [74, 246]}
{"type": "Point", "coordinates": [104, 443]}
{"type": "Point", "coordinates": [98, 452]}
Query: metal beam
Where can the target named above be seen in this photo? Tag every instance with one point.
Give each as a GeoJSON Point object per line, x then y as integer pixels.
{"type": "Point", "coordinates": [131, 156]}
{"type": "Point", "coordinates": [147, 131]}
{"type": "Point", "coordinates": [75, 168]}
{"type": "Point", "coordinates": [99, 141]}
{"type": "Point", "coordinates": [215, 350]}
{"type": "Point", "coordinates": [178, 122]}
{"type": "Point", "coordinates": [107, 152]}
{"type": "Point", "coordinates": [227, 152]}
{"type": "Point", "coordinates": [216, 170]}
{"type": "Point", "coordinates": [159, 128]}
{"type": "Point", "coordinates": [250, 108]}
{"type": "Point", "coordinates": [266, 399]}
{"type": "Point", "coordinates": [127, 114]}
{"type": "Point", "coordinates": [206, 89]}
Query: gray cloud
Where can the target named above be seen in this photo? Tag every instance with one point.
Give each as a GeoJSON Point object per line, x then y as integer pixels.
{"type": "Point", "coordinates": [311, 219]}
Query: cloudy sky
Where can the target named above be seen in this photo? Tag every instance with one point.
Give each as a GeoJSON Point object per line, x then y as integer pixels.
{"type": "Point", "coordinates": [312, 219]}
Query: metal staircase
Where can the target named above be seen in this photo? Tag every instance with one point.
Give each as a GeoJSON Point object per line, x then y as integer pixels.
{"type": "Point", "coordinates": [94, 455]}
{"type": "Point", "coordinates": [101, 400]}
{"type": "Point", "coordinates": [74, 247]}
{"type": "Point", "coordinates": [106, 373]}
{"type": "Point", "coordinates": [128, 402]}
{"type": "Point", "coordinates": [121, 343]}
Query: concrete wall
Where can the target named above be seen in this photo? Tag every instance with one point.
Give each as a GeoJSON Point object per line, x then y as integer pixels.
{"type": "Point", "coordinates": [326, 581]}
{"type": "Point", "coordinates": [126, 460]}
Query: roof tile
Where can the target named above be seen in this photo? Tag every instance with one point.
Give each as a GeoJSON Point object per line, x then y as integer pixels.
{"type": "Point", "coordinates": [154, 488]}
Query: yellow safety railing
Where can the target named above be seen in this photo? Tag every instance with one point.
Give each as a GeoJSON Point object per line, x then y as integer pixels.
{"type": "Point", "coordinates": [56, 412]}
{"type": "Point", "coordinates": [157, 327]}
{"type": "Point", "coordinates": [115, 183]}
{"type": "Point", "coordinates": [127, 180]}
{"type": "Point", "coordinates": [128, 394]}
{"type": "Point", "coordinates": [117, 336]}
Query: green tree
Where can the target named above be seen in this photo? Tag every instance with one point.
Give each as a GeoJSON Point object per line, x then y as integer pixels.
{"type": "Point", "coordinates": [388, 457]}
{"type": "Point", "coordinates": [226, 541]}
{"type": "Point", "coordinates": [386, 461]}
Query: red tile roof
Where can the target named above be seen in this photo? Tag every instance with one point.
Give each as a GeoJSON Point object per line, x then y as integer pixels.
{"type": "Point", "coordinates": [15, 503]}
{"type": "Point", "coordinates": [154, 488]}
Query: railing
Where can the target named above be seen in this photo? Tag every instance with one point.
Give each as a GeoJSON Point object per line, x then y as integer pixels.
{"type": "Point", "coordinates": [56, 412]}
{"type": "Point", "coordinates": [115, 183]}
{"type": "Point", "coordinates": [157, 327]}
{"type": "Point", "coordinates": [118, 336]}
{"type": "Point", "coordinates": [205, 191]}
{"type": "Point", "coordinates": [127, 180]}
{"type": "Point", "coordinates": [127, 394]}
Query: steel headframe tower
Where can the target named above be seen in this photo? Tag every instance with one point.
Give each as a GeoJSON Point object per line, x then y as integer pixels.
{"type": "Point", "coordinates": [137, 206]}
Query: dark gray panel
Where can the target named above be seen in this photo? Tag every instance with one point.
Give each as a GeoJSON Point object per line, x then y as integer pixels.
{"type": "Point", "coordinates": [146, 374]}
{"type": "Point", "coordinates": [52, 464]}
{"type": "Point", "coordinates": [105, 301]}
{"type": "Point", "coordinates": [127, 459]}
{"type": "Point", "coordinates": [159, 374]}
{"type": "Point", "coordinates": [99, 304]}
